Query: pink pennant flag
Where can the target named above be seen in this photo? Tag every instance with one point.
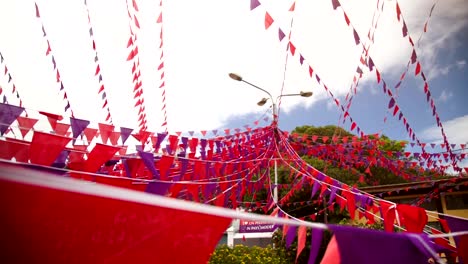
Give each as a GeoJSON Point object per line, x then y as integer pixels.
{"type": "Point", "coordinates": [268, 20]}
{"type": "Point", "coordinates": [292, 48]}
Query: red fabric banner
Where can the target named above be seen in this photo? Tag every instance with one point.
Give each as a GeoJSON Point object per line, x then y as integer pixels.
{"type": "Point", "coordinates": [50, 225]}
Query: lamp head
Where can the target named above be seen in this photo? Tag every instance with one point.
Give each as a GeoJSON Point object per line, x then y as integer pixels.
{"type": "Point", "coordinates": [235, 77]}
{"type": "Point", "coordinates": [306, 94]}
{"type": "Point", "coordinates": [262, 102]}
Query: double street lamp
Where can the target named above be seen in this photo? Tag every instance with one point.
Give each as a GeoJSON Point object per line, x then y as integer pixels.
{"type": "Point", "coordinates": [275, 117]}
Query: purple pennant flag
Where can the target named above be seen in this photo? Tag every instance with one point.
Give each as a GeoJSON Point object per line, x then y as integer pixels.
{"type": "Point", "coordinates": [457, 225]}
{"type": "Point", "coordinates": [315, 243]}
{"type": "Point", "coordinates": [371, 64]}
{"type": "Point", "coordinates": [404, 29]}
{"type": "Point", "coordinates": [315, 188]}
{"type": "Point", "coordinates": [356, 37]}
{"type": "Point", "coordinates": [61, 159]}
{"type": "Point", "coordinates": [125, 133]}
{"type": "Point", "coordinates": [301, 59]}
{"type": "Point", "coordinates": [335, 4]}
{"type": "Point", "coordinates": [332, 194]}
{"type": "Point", "coordinates": [254, 4]}
{"type": "Point", "coordinates": [281, 34]}
{"type": "Point", "coordinates": [159, 188]}
{"type": "Point", "coordinates": [161, 137]}
{"type": "Point", "coordinates": [413, 56]}
{"type": "Point", "coordinates": [148, 160]}
{"type": "Point", "coordinates": [290, 236]}
{"type": "Point", "coordinates": [78, 126]}
{"type": "Point", "coordinates": [391, 103]}
{"type": "Point", "coordinates": [377, 245]}
{"type": "Point", "coordinates": [8, 114]}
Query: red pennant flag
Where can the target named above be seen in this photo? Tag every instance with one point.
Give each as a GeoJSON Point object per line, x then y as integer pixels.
{"type": "Point", "coordinates": [268, 20]}
{"type": "Point", "coordinates": [378, 75]}
{"type": "Point", "coordinates": [98, 69]}
{"type": "Point", "coordinates": [105, 130]}
{"type": "Point", "coordinates": [412, 217]}
{"type": "Point", "coordinates": [293, 7]}
{"type": "Point", "coordinates": [90, 133]}
{"type": "Point", "coordinates": [114, 137]}
{"type": "Point", "coordinates": [388, 211]}
{"type": "Point", "coordinates": [98, 156]}
{"type": "Point", "coordinates": [25, 124]}
{"type": "Point", "coordinates": [292, 48]}
{"type": "Point", "coordinates": [301, 240]}
{"type": "Point", "coordinates": [346, 18]}
{"type": "Point", "coordinates": [159, 20]}
{"type": "Point", "coordinates": [398, 11]}
{"type": "Point", "coordinates": [45, 148]}
{"type": "Point", "coordinates": [395, 110]}
{"type": "Point", "coordinates": [130, 42]}
{"type": "Point", "coordinates": [137, 24]}
{"type": "Point", "coordinates": [61, 129]}
{"type": "Point", "coordinates": [14, 148]}
{"type": "Point", "coordinates": [311, 71]}
{"type": "Point", "coordinates": [52, 210]}
{"type": "Point", "coordinates": [131, 55]}
{"type": "Point", "coordinates": [164, 165]}
{"type": "Point", "coordinates": [418, 69]}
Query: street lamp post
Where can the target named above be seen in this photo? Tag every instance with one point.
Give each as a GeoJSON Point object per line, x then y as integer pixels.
{"type": "Point", "coordinates": [275, 117]}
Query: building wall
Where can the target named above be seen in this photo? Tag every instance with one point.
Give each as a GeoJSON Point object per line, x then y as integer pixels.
{"type": "Point", "coordinates": [456, 204]}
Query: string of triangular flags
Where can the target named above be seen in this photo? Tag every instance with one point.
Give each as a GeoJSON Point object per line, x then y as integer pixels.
{"type": "Point", "coordinates": [14, 91]}
{"type": "Point", "coordinates": [161, 69]}
{"type": "Point", "coordinates": [292, 48]}
{"type": "Point", "coordinates": [98, 72]}
{"type": "Point", "coordinates": [415, 60]}
{"type": "Point", "coordinates": [134, 58]}
{"type": "Point", "coordinates": [68, 108]}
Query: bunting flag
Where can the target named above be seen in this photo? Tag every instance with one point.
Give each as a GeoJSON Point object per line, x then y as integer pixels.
{"type": "Point", "coordinates": [8, 114]}
{"type": "Point", "coordinates": [26, 124]}
{"type": "Point", "coordinates": [78, 126]}
{"type": "Point", "coordinates": [45, 148]}
{"type": "Point", "coordinates": [161, 70]}
{"type": "Point", "coordinates": [98, 72]}
{"type": "Point", "coordinates": [67, 108]}
{"type": "Point", "coordinates": [134, 58]}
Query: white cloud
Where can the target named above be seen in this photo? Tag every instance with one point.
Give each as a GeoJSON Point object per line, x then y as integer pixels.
{"type": "Point", "coordinates": [455, 129]}
{"type": "Point", "coordinates": [461, 64]}
{"type": "Point", "coordinates": [203, 41]}
{"type": "Point", "coordinates": [444, 96]}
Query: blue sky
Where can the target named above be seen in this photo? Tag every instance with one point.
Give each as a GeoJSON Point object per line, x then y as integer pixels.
{"type": "Point", "coordinates": [205, 40]}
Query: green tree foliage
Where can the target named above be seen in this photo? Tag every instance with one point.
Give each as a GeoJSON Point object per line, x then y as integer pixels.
{"type": "Point", "coordinates": [380, 176]}
{"type": "Point", "coordinates": [248, 255]}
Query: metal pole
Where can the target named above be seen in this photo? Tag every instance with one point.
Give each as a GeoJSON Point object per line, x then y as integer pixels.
{"type": "Point", "coordinates": [275, 190]}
